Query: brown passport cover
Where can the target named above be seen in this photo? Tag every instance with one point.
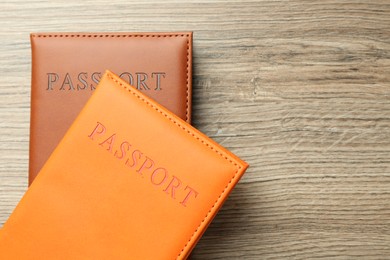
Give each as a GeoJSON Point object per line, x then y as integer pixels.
{"type": "Point", "coordinates": [122, 185]}
{"type": "Point", "coordinates": [66, 68]}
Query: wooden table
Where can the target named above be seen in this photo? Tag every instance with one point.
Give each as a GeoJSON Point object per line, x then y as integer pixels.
{"type": "Point", "coordinates": [299, 89]}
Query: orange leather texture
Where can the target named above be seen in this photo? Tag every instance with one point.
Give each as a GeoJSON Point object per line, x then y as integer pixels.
{"type": "Point", "coordinates": [66, 68]}
{"type": "Point", "coordinates": [129, 180]}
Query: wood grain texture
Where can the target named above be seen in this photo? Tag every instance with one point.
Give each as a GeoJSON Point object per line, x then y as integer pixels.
{"type": "Point", "coordinates": [299, 89]}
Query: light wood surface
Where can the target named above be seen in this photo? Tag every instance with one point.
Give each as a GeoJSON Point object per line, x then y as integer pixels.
{"type": "Point", "coordinates": [299, 89]}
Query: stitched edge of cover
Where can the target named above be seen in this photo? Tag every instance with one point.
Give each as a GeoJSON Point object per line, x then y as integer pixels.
{"type": "Point", "coordinates": [99, 35]}
{"type": "Point", "coordinates": [211, 146]}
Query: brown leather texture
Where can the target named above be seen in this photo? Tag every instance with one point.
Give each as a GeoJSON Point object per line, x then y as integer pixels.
{"type": "Point", "coordinates": [66, 68]}
{"type": "Point", "coordinates": [122, 185]}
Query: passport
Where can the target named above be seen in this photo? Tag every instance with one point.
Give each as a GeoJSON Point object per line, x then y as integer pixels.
{"type": "Point", "coordinates": [66, 68]}
{"type": "Point", "coordinates": [129, 180]}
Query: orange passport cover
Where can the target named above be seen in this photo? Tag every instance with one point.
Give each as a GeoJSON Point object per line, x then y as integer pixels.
{"type": "Point", "coordinates": [129, 180]}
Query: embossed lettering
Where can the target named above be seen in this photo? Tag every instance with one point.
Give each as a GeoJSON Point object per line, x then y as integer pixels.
{"type": "Point", "coordinates": [67, 81]}
{"type": "Point", "coordinates": [158, 79]}
{"type": "Point", "coordinates": [99, 129]}
{"type": "Point", "coordinates": [129, 76]}
{"type": "Point", "coordinates": [141, 78]}
{"type": "Point", "coordinates": [136, 155]}
{"type": "Point", "coordinates": [109, 141]}
{"type": "Point", "coordinates": [51, 78]}
{"type": "Point", "coordinates": [172, 186]}
{"type": "Point", "coordinates": [89, 80]}
{"type": "Point", "coordinates": [95, 78]}
{"type": "Point", "coordinates": [153, 177]}
{"type": "Point", "coordinates": [125, 147]}
{"type": "Point", "coordinates": [148, 163]}
{"type": "Point", "coordinates": [187, 197]}
{"type": "Point", "coordinates": [83, 80]}
{"type": "Point", "coordinates": [144, 165]}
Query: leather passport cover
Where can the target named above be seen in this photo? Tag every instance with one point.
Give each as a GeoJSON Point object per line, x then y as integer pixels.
{"type": "Point", "coordinates": [129, 180]}
{"type": "Point", "coordinates": [66, 68]}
